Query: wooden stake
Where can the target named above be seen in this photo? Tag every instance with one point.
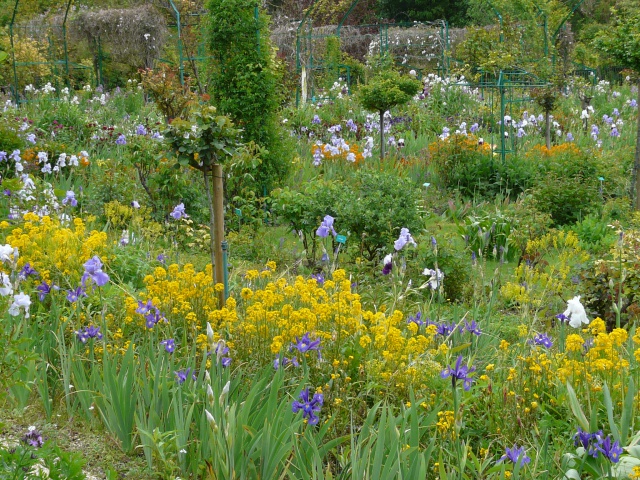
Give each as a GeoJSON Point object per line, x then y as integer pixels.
{"type": "Point", "coordinates": [218, 230]}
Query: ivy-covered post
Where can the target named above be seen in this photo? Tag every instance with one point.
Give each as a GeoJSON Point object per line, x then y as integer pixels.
{"type": "Point", "coordinates": [244, 81]}
{"type": "Point", "coordinates": [621, 43]}
{"type": "Point", "coordinates": [204, 143]}
{"type": "Point", "coordinates": [384, 91]}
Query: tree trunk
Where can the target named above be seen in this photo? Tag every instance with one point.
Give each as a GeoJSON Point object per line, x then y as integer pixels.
{"type": "Point", "coordinates": [218, 232]}
{"type": "Point", "coordinates": [547, 132]}
{"type": "Point", "coordinates": [636, 163]}
{"type": "Point", "coordinates": [212, 227]}
{"type": "Point", "coordinates": [382, 135]}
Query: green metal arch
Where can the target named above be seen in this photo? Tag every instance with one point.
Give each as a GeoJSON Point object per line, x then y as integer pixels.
{"type": "Point", "coordinates": [65, 60]}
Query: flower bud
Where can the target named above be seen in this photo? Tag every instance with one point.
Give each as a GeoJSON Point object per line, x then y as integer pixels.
{"type": "Point", "coordinates": [209, 334]}
{"type": "Point", "coordinates": [225, 393]}
{"type": "Point", "coordinates": [211, 420]}
{"type": "Point", "coordinates": [210, 396]}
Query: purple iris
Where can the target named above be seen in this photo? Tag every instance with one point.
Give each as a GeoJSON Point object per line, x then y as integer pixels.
{"type": "Point", "coordinates": [70, 199]}
{"type": "Point", "coordinates": [562, 318]}
{"type": "Point", "coordinates": [611, 450]}
{"type": "Point", "coordinates": [183, 375]}
{"type": "Point", "coordinates": [150, 312]}
{"type": "Point", "coordinates": [285, 361]}
{"type": "Point", "coordinates": [3, 156]}
{"type": "Point", "coordinates": [569, 137]}
{"type": "Point", "coordinates": [404, 238]}
{"type": "Point", "coordinates": [178, 212]}
{"type": "Point", "coordinates": [75, 295]}
{"type": "Point", "coordinates": [309, 406]}
{"type": "Point", "coordinates": [33, 437]}
{"type": "Point", "coordinates": [316, 120]}
{"type": "Point", "coordinates": [305, 344]}
{"type": "Point", "coordinates": [318, 277]}
{"type": "Point", "coordinates": [89, 332]}
{"type": "Point", "coordinates": [417, 319]}
{"type": "Point", "coordinates": [44, 289]}
{"type": "Point", "coordinates": [141, 130]}
{"type": "Point", "coordinates": [591, 442]}
{"type": "Point", "coordinates": [614, 131]}
{"type": "Point", "coordinates": [135, 204]}
{"type": "Point", "coordinates": [474, 128]}
{"type": "Point", "coordinates": [516, 455]}
{"type": "Point", "coordinates": [445, 329]}
{"type": "Point", "coordinates": [121, 140]}
{"type": "Point", "coordinates": [27, 270]}
{"type": "Point", "coordinates": [93, 270]}
{"type": "Point", "coordinates": [326, 226]}
{"type": "Point", "coordinates": [220, 350]}
{"type": "Point", "coordinates": [459, 372]}
{"type": "Point", "coordinates": [543, 340]}
{"type": "Point", "coordinates": [162, 258]}
{"type": "Point", "coordinates": [169, 345]}
{"type": "Point", "coordinates": [472, 328]}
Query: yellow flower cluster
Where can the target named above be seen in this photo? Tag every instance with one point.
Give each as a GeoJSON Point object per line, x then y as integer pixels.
{"type": "Point", "coordinates": [185, 296]}
{"type": "Point", "coordinates": [544, 281]}
{"type": "Point", "coordinates": [56, 251]}
{"type": "Point", "coordinates": [599, 358]}
{"type": "Point", "coordinates": [271, 316]}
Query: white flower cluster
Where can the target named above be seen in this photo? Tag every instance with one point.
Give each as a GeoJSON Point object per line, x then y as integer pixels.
{"type": "Point", "coordinates": [9, 257]}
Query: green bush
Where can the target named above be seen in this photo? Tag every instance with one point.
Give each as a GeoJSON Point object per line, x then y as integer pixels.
{"type": "Point", "coordinates": [370, 207]}
{"type": "Point", "coordinates": [376, 206]}
{"type": "Point", "coordinates": [452, 262]}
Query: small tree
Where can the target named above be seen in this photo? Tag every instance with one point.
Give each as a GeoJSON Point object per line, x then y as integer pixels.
{"type": "Point", "coordinates": [621, 42]}
{"type": "Point", "coordinates": [546, 98]}
{"type": "Point", "coordinates": [383, 92]}
{"type": "Point", "coordinates": [204, 143]}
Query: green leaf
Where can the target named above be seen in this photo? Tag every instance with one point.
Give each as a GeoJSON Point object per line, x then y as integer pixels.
{"type": "Point", "coordinates": [576, 408]}
{"type": "Point", "coordinates": [609, 406]}
{"type": "Point", "coordinates": [627, 412]}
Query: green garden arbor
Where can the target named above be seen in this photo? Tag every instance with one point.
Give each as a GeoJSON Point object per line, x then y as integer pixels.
{"type": "Point", "coordinates": [54, 53]}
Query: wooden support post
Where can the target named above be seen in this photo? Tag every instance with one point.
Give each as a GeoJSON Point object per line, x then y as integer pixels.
{"type": "Point", "coordinates": [218, 230]}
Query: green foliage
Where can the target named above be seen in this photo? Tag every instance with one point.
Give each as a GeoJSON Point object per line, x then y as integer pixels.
{"type": "Point", "coordinates": [375, 207]}
{"type": "Point", "coordinates": [386, 90]}
{"type": "Point", "coordinates": [24, 463]}
{"type": "Point", "coordinates": [244, 79]}
{"type": "Point", "coordinates": [620, 42]}
{"type": "Point", "coordinates": [206, 140]}
{"type": "Point", "coordinates": [455, 12]}
{"type": "Point", "coordinates": [567, 186]}
{"type": "Point", "coordinates": [461, 164]}
{"type": "Point", "coordinates": [370, 207]}
{"type": "Point", "coordinates": [594, 233]}
{"type": "Point", "coordinates": [488, 235]}
{"type": "Point", "coordinates": [452, 262]}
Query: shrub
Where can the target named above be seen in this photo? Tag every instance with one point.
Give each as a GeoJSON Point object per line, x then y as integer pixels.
{"type": "Point", "coordinates": [567, 186]}
{"type": "Point", "coordinates": [376, 206]}
{"type": "Point", "coordinates": [459, 162]}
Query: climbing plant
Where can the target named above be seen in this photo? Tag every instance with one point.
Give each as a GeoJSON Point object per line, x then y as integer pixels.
{"type": "Point", "coordinates": [244, 81]}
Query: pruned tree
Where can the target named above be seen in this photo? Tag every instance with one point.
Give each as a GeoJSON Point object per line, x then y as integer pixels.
{"type": "Point", "coordinates": [383, 92]}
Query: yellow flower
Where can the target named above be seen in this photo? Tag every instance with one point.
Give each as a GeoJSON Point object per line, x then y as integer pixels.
{"type": "Point", "coordinates": [574, 343]}
{"type": "Point", "coordinates": [219, 287]}
{"type": "Point", "coordinates": [365, 340]}
{"type": "Point", "coordinates": [504, 345]}
{"type": "Point", "coordinates": [271, 265]}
